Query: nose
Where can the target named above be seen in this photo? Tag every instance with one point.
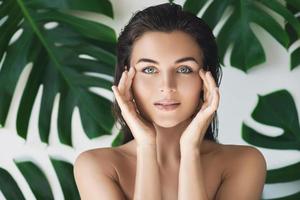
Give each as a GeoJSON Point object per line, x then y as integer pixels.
{"type": "Point", "coordinates": [168, 83]}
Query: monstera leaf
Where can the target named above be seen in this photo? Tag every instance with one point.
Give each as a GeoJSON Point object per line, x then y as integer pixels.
{"type": "Point", "coordinates": [118, 140]}
{"type": "Point", "coordinates": [295, 55]}
{"type": "Point", "coordinates": [64, 52]}
{"type": "Point", "coordinates": [278, 110]}
{"type": "Point", "coordinates": [9, 187]}
{"type": "Point", "coordinates": [38, 182]}
{"type": "Point", "coordinates": [247, 50]}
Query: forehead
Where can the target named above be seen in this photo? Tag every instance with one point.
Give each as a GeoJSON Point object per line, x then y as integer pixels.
{"type": "Point", "coordinates": [165, 47]}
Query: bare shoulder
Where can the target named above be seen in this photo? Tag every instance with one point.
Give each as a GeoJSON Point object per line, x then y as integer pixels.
{"type": "Point", "coordinates": [239, 154]}
{"type": "Point", "coordinates": [95, 175]}
{"type": "Point", "coordinates": [241, 163]}
{"type": "Point", "coordinates": [99, 159]}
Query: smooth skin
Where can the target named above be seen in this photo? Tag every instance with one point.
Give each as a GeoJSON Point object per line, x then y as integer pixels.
{"type": "Point", "coordinates": [190, 140]}
{"type": "Point", "coordinates": [143, 131]}
{"type": "Point", "coordinates": [148, 184]}
{"type": "Point", "coordinates": [172, 146]}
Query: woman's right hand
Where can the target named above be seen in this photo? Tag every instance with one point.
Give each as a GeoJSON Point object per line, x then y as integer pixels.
{"type": "Point", "coordinates": [142, 130]}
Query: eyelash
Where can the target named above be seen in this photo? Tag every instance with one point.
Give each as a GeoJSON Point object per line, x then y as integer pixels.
{"type": "Point", "coordinates": [190, 69]}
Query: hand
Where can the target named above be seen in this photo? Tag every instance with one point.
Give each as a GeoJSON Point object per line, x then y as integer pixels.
{"type": "Point", "coordinates": [143, 131]}
{"type": "Point", "coordinates": [194, 133]}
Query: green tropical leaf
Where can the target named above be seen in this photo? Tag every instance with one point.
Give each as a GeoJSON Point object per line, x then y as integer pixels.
{"type": "Point", "coordinates": [9, 187]}
{"type": "Point", "coordinates": [38, 182]}
{"type": "Point", "coordinates": [65, 175]}
{"type": "Point", "coordinates": [36, 179]}
{"type": "Point", "coordinates": [118, 140]}
{"type": "Point", "coordinates": [65, 51]}
{"type": "Point", "coordinates": [295, 55]}
{"type": "Point", "coordinates": [295, 58]}
{"type": "Point", "coordinates": [277, 109]}
{"type": "Point", "coordinates": [194, 6]}
{"type": "Point", "coordinates": [247, 50]}
{"type": "Point", "coordinates": [284, 174]}
{"type": "Point", "coordinates": [101, 6]}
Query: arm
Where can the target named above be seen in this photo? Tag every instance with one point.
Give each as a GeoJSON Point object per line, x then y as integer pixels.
{"type": "Point", "coordinates": [147, 182]}
{"type": "Point", "coordinates": [245, 176]}
{"type": "Point", "coordinates": [95, 181]}
{"type": "Point", "coordinates": [191, 182]}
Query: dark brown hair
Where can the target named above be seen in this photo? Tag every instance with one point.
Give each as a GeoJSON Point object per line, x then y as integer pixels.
{"type": "Point", "coordinates": [166, 17]}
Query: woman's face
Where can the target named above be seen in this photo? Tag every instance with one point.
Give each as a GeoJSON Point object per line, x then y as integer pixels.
{"type": "Point", "coordinates": [164, 78]}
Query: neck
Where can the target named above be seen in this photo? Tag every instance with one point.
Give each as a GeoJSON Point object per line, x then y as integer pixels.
{"type": "Point", "coordinates": [167, 144]}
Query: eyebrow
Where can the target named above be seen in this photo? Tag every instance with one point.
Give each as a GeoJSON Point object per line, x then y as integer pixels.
{"type": "Point", "coordinates": [177, 61]}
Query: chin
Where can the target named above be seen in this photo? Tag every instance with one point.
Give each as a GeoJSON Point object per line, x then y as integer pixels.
{"type": "Point", "coordinates": [167, 123]}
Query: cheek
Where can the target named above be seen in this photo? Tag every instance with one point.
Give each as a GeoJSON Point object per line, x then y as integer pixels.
{"type": "Point", "coordinates": [190, 91]}
{"type": "Point", "coordinates": [146, 90]}
{"type": "Point", "coordinates": [142, 92]}
{"type": "Point", "coordinates": [191, 88]}
{"type": "Point", "coordinates": [141, 86]}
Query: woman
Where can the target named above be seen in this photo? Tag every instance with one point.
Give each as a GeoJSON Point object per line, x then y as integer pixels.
{"type": "Point", "coordinates": [166, 91]}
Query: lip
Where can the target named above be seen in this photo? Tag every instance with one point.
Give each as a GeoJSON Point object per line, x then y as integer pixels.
{"type": "Point", "coordinates": [169, 107]}
{"type": "Point", "coordinates": [166, 102]}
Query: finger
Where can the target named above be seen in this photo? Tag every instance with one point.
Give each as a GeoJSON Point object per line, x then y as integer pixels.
{"type": "Point", "coordinates": [203, 77]}
{"type": "Point", "coordinates": [213, 105]}
{"type": "Point", "coordinates": [119, 98]}
{"type": "Point", "coordinates": [121, 85]}
{"type": "Point", "coordinates": [212, 87]}
{"type": "Point", "coordinates": [205, 84]}
{"type": "Point", "coordinates": [130, 76]}
{"type": "Point", "coordinates": [211, 81]}
{"type": "Point", "coordinates": [216, 99]}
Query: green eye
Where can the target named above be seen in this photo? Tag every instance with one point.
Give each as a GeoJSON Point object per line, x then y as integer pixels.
{"type": "Point", "coordinates": [187, 69]}
{"type": "Point", "coordinates": [143, 70]}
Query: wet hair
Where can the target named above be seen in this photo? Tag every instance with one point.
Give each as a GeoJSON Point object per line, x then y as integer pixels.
{"type": "Point", "coordinates": [166, 18]}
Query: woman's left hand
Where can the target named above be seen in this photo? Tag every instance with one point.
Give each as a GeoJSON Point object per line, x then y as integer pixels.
{"type": "Point", "coordinates": [193, 135]}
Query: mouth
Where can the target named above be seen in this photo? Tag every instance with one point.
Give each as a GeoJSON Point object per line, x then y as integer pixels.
{"type": "Point", "coordinates": [167, 107]}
